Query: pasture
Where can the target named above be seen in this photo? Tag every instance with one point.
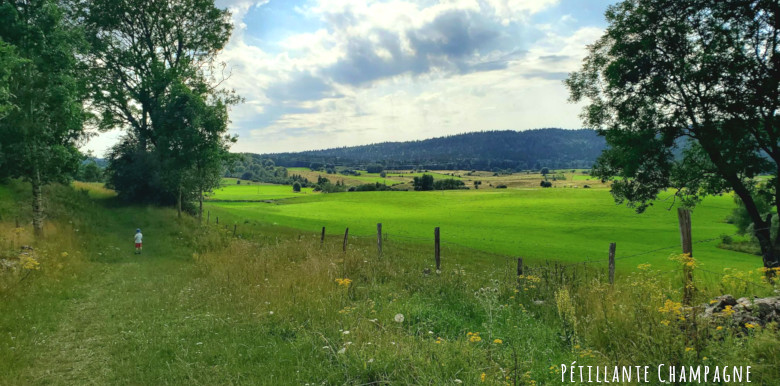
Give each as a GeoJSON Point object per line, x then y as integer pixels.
{"type": "Point", "coordinates": [569, 225]}
{"type": "Point", "coordinates": [248, 191]}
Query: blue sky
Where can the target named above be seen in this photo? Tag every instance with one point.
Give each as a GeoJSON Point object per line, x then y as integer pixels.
{"type": "Point", "coordinates": [330, 73]}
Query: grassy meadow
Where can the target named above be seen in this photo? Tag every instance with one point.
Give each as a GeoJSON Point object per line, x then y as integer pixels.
{"type": "Point", "coordinates": [253, 191]}
{"type": "Point", "coordinates": [273, 305]}
{"type": "Point", "coordinates": [568, 225]}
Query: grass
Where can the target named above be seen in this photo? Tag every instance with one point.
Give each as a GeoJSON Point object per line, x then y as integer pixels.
{"type": "Point", "coordinates": [256, 192]}
{"type": "Point", "coordinates": [271, 306]}
{"type": "Point", "coordinates": [570, 225]}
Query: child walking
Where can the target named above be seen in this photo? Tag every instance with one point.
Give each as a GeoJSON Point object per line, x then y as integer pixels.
{"type": "Point", "coordinates": [138, 241]}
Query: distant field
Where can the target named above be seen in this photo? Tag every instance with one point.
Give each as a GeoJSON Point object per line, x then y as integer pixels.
{"type": "Point", "coordinates": [574, 179]}
{"type": "Point", "coordinates": [255, 192]}
{"type": "Point", "coordinates": [539, 224]}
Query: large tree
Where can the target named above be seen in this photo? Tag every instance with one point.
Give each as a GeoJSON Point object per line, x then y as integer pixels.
{"type": "Point", "coordinates": [144, 53]}
{"type": "Point", "coordinates": [686, 93]}
{"type": "Point", "coordinates": [39, 133]}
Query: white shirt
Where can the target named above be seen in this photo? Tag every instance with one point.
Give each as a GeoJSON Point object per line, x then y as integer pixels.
{"type": "Point", "coordinates": [138, 237]}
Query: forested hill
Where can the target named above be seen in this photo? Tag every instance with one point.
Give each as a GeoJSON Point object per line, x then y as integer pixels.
{"type": "Point", "coordinates": [487, 150]}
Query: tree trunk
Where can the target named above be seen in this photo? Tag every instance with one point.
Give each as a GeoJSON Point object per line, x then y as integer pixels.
{"type": "Point", "coordinates": [200, 206]}
{"type": "Point", "coordinates": [178, 202]}
{"type": "Point", "coordinates": [37, 205]}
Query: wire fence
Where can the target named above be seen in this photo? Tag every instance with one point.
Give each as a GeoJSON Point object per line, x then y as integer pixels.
{"type": "Point", "coordinates": [554, 268]}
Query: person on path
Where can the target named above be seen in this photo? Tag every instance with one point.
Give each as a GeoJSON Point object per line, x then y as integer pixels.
{"type": "Point", "coordinates": [138, 241]}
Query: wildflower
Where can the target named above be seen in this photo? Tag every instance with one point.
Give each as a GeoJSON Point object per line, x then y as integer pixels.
{"type": "Point", "coordinates": [719, 328]}
{"type": "Point", "coordinates": [64, 254]}
{"type": "Point", "coordinates": [474, 337]}
{"type": "Point", "coordinates": [270, 312]}
{"type": "Point", "coordinates": [346, 332]}
{"type": "Point", "coordinates": [751, 325]}
{"type": "Point", "coordinates": [671, 307]}
{"type": "Point", "coordinates": [439, 340]}
{"type": "Point", "coordinates": [344, 282]}
{"type": "Point", "coordinates": [343, 350]}
{"type": "Point", "coordinates": [29, 262]}
{"type": "Point", "coordinates": [665, 322]}
{"type": "Point", "coordinates": [688, 349]}
{"type": "Point", "coordinates": [704, 358]}
{"type": "Point", "coordinates": [458, 381]}
{"type": "Point", "coordinates": [498, 341]}
{"type": "Point", "coordinates": [482, 377]}
{"type": "Point", "coordinates": [399, 318]}
{"type": "Point", "coordinates": [728, 311]}
{"type": "Point", "coordinates": [643, 267]}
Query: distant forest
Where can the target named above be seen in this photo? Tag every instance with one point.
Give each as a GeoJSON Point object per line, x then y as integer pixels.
{"type": "Point", "coordinates": [488, 150]}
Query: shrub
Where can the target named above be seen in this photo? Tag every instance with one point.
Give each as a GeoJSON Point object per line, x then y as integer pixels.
{"type": "Point", "coordinates": [502, 186]}
{"type": "Point", "coordinates": [296, 186]}
{"type": "Point", "coordinates": [546, 184]}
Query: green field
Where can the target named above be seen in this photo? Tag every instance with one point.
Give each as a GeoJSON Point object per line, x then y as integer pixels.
{"type": "Point", "coordinates": [255, 192]}
{"type": "Point", "coordinates": [539, 224]}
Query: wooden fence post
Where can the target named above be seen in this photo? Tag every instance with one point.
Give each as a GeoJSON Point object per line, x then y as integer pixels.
{"type": "Point", "coordinates": [437, 248]}
{"type": "Point", "coordinates": [217, 220]}
{"type": "Point", "coordinates": [684, 218]}
{"type": "Point", "coordinates": [611, 263]}
{"type": "Point", "coordinates": [322, 237]}
{"type": "Point", "coordinates": [379, 239]}
{"type": "Point", "coordinates": [346, 235]}
{"type": "Point", "coordinates": [234, 229]}
{"type": "Point", "coordinates": [519, 266]}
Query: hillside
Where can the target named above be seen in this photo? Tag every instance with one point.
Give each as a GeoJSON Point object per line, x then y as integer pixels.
{"type": "Point", "coordinates": [487, 150]}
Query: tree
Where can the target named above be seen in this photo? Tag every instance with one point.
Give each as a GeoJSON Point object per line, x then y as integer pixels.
{"type": "Point", "coordinates": [545, 171]}
{"type": "Point", "coordinates": [296, 187]}
{"type": "Point", "coordinates": [374, 168]}
{"type": "Point", "coordinates": [146, 58]}
{"type": "Point", "coordinates": [44, 115]}
{"type": "Point", "coordinates": [423, 183]}
{"type": "Point", "coordinates": [700, 78]}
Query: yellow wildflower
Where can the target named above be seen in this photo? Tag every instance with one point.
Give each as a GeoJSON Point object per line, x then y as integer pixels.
{"type": "Point", "coordinates": [498, 341]}
{"type": "Point", "coordinates": [29, 262]}
{"type": "Point", "coordinates": [643, 267]}
{"type": "Point", "coordinates": [474, 337]}
{"type": "Point", "coordinates": [751, 325]}
{"type": "Point", "coordinates": [719, 328]}
{"type": "Point", "coordinates": [482, 377]}
{"type": "Point", "coordinates": [688, 349]}
{"type": "Point", "coordinates": [665, 322]}
{"type": "Point", "coordinates": [344, 282]}
{"type": "Point", "coordinates": [728, 311]}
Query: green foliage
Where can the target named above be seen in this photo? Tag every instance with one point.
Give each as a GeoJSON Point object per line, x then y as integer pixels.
{"type": "Point", "coordinates": [664, 77]}
{"type": "Point", "coordinates": [375, 168]}
{"type": "Point", "coordinates": [43, 83]}
{"type": "Point", "coordinates": [424, 182]}
{"type": "Point", "coordinates": [89, 171]}
{"type": "Point", "coordinates": [448, 184]}
{"type": "Point", "coordinates": [497, 151]}
{"type": "Point", "coordinates": [296, 187]}
{"type": "Point", "coordinates": [545, 184]}
{"type": "Point", "coordinates": [152, 71]}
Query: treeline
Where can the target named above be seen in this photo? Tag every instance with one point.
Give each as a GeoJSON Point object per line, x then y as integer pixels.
{"type": "Point", "coordinates": [488, 150]}
{"type": "Point", "coordinates": [145, 67]}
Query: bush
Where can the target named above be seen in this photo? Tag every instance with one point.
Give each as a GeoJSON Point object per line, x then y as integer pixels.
{"type": "Point", "coordinates": [546, 184]}
{"type": "Point", "coordinates": [501, 186]}
{"type": "Point", "coordinates": [296, 187]}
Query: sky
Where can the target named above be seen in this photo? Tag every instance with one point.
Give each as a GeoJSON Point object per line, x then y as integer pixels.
{"type": "Point", "coordinates": [319, 74]}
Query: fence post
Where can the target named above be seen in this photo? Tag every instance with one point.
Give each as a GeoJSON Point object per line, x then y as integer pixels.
{"type": "Point", "coordinates": [684, 218]}
{"type": "Point", "coordinates": [208, 217]}
{"type": "Point", "coordinates": [346, 234]}
{"type": "Point", "coordinates": [234, 229]}
{"type": "Point", "coordinates": [379, 238]}
{"type": "Point", "coordinates": [611, 263]}
{"type": "Point", "coordinates": [217, 220]}
{"type": "Point", "coordinates": [519, 266]}
{"type": "Point", "coordinates": [437, 248]}
{"type": "Point", "coordinates": [322, 238]}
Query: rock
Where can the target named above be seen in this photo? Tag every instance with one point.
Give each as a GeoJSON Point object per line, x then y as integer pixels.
{"type": "Point", "coordinates": [744, 304]}
{"type": "Point", "coordinates": [722, 301]}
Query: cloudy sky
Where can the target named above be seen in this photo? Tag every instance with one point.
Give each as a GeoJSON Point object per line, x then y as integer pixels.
{"type": "Point", "coordinates": [329, 73]}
